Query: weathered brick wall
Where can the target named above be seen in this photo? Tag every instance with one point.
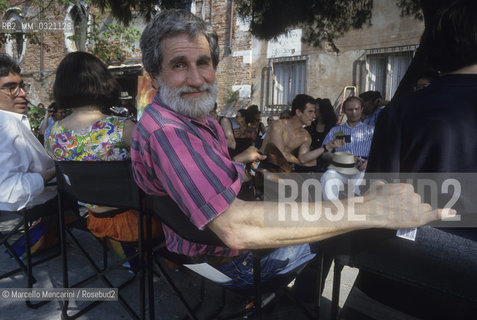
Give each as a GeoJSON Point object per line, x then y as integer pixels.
{"type": "Point", "coordinates": [235, 70]}
{"type": "Point", "coordinates": [43, 52]}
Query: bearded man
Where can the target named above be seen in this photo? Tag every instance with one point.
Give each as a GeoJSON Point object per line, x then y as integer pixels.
{"type": "Point", "coordinates": [180, 152]}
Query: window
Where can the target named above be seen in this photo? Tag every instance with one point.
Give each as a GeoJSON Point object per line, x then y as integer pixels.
{"type": "Point", "coordinates": [15, 43]}
{"type": "Point", "coordinates": [288, 80]}
{"type": "Point", "coordinates": [74, 18]}
{"type": "Point", "coordinates": [385, 70]}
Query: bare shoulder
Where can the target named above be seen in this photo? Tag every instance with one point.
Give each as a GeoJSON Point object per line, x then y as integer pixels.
{"type": "Point", "coordinates": [278, 125]}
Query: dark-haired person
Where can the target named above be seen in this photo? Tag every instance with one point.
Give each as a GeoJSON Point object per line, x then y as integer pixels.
{"type": "Point", "coordinates": [373, 104]}
{"type": "Point", "coordinates": [89, 134]}
{"type": "Point", "coordinates": [291, 138]}
{"type": "Point", "coordinates": [244, 135]}
{"type": "Point", "coordinates": [26, 168]}
{"type": "Point", "coordinates": [325, 120]}
{"type": "Point", "coordinates": [52, 115]}
{"type": "Point", "coordinates": [434, 131]}
{"type": "Point", "coordinates": [253, 118]}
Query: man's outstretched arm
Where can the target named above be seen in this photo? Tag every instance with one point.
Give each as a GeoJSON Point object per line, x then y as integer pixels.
{"type": "Point", "coordinates": [392, 206]}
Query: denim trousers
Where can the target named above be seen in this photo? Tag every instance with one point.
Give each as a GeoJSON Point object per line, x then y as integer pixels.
{"type": "Point", "coordinates": [278, 262]}
{"type": "Point", "coordinates": [444, 260]}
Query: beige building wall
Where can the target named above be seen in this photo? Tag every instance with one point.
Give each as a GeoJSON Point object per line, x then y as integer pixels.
{"type": "Point", "coordinates": [244, 62]}
{"type": "Point", "coordinates": [245, 59]}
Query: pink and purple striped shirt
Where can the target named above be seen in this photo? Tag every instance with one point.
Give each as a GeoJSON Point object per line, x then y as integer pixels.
{"type": "Point", "coordinates": [187, 160]}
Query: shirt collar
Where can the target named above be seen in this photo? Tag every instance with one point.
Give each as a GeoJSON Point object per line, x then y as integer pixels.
{"type": "Point", "coordinates": [19, 116]}
{"type": "Point", "coordinates": [358, 124]}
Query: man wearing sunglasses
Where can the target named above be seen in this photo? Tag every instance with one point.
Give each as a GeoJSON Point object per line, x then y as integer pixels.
{"type": "Point", "coordinates": [25, 166]}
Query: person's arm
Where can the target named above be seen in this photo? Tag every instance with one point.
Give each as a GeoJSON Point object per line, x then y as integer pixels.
{"type": "Point", "coordinates": [392, 206]}
{"type": "Point", "coordinates": [249, 155]}
{"type": "Point", "coordinates": [44, 122]}
{"type": "Point", "coordinates": [305, 155]}
{"type": "Point", "coordinates": [127, 132]}
{"type": "Point", "coordinates": [18, 184]}
{"type": "Point", "coordinates": [229, 133]}
{"type": "Point", "coordinates": [276, 133]}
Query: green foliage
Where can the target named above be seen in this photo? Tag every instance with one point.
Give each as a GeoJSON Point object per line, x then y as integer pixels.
{"type": "Point", "coordinates": [410, 8]}
{"type": "Point", "coordinates": [111, 42]}
{"type": "Point", "coordinates": [231, 95]}
{"type": "Point", "coordinates": [35, 114]}
{"type": "Point", "coordinates": [123, 10]}
{"type": "Point", "coordinates": [321, 20]}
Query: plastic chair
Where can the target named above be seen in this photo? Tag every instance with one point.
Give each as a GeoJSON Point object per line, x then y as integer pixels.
{"type": "Point", "coordinates": [105, 183]}
{"type": "Point", "coordinates": [170, 214]}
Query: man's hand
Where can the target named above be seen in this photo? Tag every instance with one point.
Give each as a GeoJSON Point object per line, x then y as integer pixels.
{"type": "Point", "coordinates": [337, 143]}
{"type": "Point", "coordinates": [48, 174]}
{"type": "Point", "coordinates": [397, 206]}
{"type": "Point", "coordinates": [251, 154]}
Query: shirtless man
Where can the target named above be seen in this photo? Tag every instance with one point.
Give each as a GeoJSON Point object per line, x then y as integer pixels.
{"type": "Point", "coordinates": [292, 139]}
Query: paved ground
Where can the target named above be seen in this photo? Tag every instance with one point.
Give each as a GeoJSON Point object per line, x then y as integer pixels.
{"type": "Point", "coordinates": [166, 304]}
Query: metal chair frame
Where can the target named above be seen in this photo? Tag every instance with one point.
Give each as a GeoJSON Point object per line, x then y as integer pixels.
{"type": "Point", "coordinates": [106, 183]}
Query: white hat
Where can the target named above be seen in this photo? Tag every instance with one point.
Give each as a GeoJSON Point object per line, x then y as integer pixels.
{"type": "Point", "coordinates": [344, 163]}
{"type": "Point", "coordinates": [125, 95]}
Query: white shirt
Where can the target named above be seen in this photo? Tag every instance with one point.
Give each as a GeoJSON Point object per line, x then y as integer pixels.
{"type": "Point", "coordinates": [22, 158]}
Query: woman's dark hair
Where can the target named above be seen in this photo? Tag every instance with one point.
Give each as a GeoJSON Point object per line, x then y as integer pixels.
{"type": "Point", "coordinates": [327, 112]}
{"type": "Point", "coordinates": [251, 114]}
{"type": "Point", "coordinates": [451, 40]}
{"type": "Point", "coordinates": [81, 80]}
{"type": "Point", "coordinates": [243, 113]}
{"type": "Point", "coordinates": [53, 106]}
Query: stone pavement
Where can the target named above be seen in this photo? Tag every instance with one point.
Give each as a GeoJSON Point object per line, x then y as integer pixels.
{"type": "Point", "coordinates": [167, 305]}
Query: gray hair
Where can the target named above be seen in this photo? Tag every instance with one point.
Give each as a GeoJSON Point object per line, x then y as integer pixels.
{"type": "Point", "coordinates": [168, 23]}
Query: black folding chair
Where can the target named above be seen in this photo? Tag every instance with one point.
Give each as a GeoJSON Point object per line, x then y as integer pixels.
{"type": "Point", "coordinates": [170, 214]}
{"type": "Point", "coordinates": [104, 183]}
{"type": "Point", "coordinates": [22, 227]}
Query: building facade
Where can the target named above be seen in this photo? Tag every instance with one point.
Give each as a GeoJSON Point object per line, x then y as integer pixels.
{"type": "Point", "coordinates": [251, 71]}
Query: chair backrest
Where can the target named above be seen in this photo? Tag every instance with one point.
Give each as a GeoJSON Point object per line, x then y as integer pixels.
{"type": "Point", "coordinates": [171, 215]}
{"type": "Point", "coordinates": [105, 183]}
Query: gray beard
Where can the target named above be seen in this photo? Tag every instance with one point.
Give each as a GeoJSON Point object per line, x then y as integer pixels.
{"type": "Point", "coordinates": [195, 108]}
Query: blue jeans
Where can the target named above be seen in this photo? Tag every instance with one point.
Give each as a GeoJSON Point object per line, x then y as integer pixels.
{"type": "Point", "coordinates": [279, 261]}
{"type": "Point", "coordinates": [443, 259]}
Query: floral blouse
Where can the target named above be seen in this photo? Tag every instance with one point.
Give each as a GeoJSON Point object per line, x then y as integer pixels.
{"type": "Point", "coordinates": [102, 141]}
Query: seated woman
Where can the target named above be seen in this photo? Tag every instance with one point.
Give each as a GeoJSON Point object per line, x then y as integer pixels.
{"type": "Point", "coordinates": [244, 135]}
{"type": "Point", "coordinates": [84, 85]}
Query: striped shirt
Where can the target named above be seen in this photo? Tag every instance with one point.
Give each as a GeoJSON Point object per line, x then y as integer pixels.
{"type": "Point", "coordinates": [361, 137]}
{"type": "Point", "coordinates": [187, 160]}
